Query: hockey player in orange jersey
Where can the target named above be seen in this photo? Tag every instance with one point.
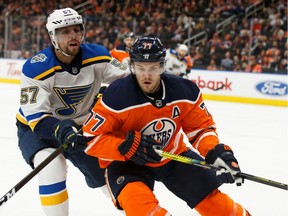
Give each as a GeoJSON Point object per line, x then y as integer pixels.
{"type": "Point", "coordinates": [149, 108]}
{"type": "Point", "coordinates": [121, 52]}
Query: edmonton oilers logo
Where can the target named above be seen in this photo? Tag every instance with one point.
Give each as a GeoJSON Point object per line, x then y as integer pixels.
{"type": "Point", "coordinates": [160, 130]}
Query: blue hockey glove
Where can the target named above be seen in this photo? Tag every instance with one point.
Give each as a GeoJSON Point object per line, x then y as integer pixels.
{"type": "Point", "coordinates": [139, 148]}
{"type": "Point", "coordinates": [222, 156]}
{"type": "Point", "coordinates": [66, 132]}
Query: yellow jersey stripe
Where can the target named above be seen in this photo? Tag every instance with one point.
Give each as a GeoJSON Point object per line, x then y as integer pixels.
{"type": "Point", "coordinates": [45, 73]}
{"type": "Point", "coordinates": [96, 59]}
{"type": "Point", "coordinates": [55, 199]}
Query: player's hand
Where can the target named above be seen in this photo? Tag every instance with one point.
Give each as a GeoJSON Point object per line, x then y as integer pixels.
{"type": "Point", "coordinates": [139, 148]}
{"type": "Point", "coordinates": [66, 132]}
{"type": "Point", "coordinates": [222, 156]}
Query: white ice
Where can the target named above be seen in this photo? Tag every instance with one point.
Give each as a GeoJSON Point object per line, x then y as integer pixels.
{"type": "Point", "coordinates": [258, 135]}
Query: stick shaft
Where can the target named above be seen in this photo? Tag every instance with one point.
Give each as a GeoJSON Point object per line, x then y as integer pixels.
{"type": "Point", "coordinates": [264, 181]}
{"type": "Point", "coordinates": [34, 172]}
{"type": "Point", "coordinates": [203, 164]}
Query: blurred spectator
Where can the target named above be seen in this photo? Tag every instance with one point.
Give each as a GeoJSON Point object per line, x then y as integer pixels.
{"type": "Point", "coordinates": [212, 66]}
{"type": "Point", "coordinates": [165, 33]}
{"type": "Point", "coordinates": [227, 62]}
{"type": "Point", "coordinates": [198, 59]}
{"type": "Point", "coordinates": [200, 26]}
{"type": "Point", "coordinates": [210, 26]}
{"type": "Point", "coordinates": [238, 68]}
{"type": "Point", "coordinates": [226, 44]}
{"type": "Point", "coordinates": [214, 44]}
{"type": "Point", "coordinates": [253, 66]}
{"type": "Point", "coordinates": [24, 54]}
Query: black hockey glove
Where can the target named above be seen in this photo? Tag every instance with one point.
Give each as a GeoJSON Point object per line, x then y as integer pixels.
{"type": "Point", "coordinates": [139, 148]}
{"type": "Point", "coordinates": [222, 156]}
{"type": "Point", "coordinates": [66, 132]}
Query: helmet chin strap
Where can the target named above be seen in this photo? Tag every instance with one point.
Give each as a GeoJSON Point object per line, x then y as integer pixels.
{"type": "Point", "coordinates": [56, 46]}
{"type": "Point", "coordinates": [61, 51]}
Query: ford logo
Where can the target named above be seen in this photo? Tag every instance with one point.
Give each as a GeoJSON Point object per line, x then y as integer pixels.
{"type": "Point", "coordinates": [272, 88]}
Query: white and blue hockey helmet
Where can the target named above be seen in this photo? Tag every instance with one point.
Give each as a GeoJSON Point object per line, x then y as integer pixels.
{"type": "Point", "coordinates": [60, 18]}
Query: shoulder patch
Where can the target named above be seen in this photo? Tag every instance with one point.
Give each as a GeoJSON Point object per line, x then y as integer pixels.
{"type": "Point", "coordinates": [41, 57]}
{"type": "Point", "coordinates": [42, 65]}
{"type": "Point", "coordinates": [118, 64]}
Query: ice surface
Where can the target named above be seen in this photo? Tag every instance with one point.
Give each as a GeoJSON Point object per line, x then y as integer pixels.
{"type": "Point", "coordinates": [258, 135]}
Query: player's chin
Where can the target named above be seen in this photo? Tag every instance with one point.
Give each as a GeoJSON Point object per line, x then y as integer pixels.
{"type": "Point", "coordinates": [147, 88]}
{"type": "Point", "coordinates": [74, 49]}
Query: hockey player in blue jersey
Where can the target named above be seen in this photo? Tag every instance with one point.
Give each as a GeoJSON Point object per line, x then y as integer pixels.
{"type": "Point", "coordinates": [58, 86]}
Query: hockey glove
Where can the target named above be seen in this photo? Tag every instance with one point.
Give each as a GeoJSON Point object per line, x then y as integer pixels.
{"type": "Point", "coordinates": [222, 156]}
{"type": "Point", "coordinates": [66, 132]}
{"type": "Point", "coordinates": [139, 148]}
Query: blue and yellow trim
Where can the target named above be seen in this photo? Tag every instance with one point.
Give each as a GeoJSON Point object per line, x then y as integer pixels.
{"type": "Point", "coordinates": [21, 118]}
{"type": "Point", "coordinates": [54, 199]}
{"type": "Point", "coordinates": [96, 59]}
{"type": "Point", "coordinates": [53, 194]}
{"type": "Point", "coordinates": [48, 73]}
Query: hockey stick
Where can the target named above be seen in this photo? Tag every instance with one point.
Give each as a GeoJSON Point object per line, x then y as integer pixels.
{"type": "Point", "coordinates": [216, 89]}
{"type": "Point", "coordinates": [34, 172]}
{"type": "Point", "coordinates": [219, 88]}
{"type": "Point", "coordinates": [195, 162]}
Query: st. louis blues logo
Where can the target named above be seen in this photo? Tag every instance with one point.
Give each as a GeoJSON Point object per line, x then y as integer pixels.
{"type": "Point", "coordinates": [160, 130]}
{"type": "Point", "coordinates": [71, 97]}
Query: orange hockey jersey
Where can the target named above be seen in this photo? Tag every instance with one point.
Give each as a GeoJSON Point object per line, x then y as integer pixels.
{"type": "Point", "coordinates": [120, 54]}
{"type": "Point", "coordinates": [124, 107]}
